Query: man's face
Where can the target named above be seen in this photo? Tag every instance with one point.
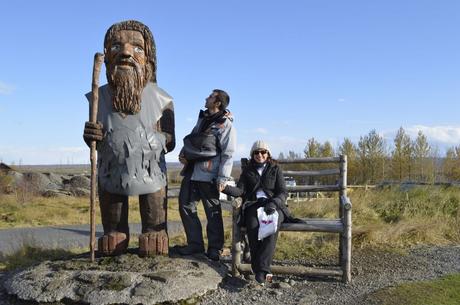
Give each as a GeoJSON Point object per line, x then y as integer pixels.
{"type": "Point", "coordinates": [211, 101]}
{"type": "Point", "coordinates": [127, 49]}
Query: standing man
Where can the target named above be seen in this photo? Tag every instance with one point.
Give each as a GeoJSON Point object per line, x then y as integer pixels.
{"type": "Point", "coordinates": [207, 156]}
{"type": "Point", "coordinates": [135, 129]}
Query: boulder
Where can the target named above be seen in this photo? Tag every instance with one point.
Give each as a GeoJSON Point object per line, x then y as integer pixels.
{"type": "Point", "coordinates": [55, 178]}
{"type": "Point", "coordinates": [17, 176]}
{"type": "Point", "coordinates": [37, 182]}
{"type": "Point", "coordinates": [80, 192]}
{"type": "Point", "coordinates": [80, 181]}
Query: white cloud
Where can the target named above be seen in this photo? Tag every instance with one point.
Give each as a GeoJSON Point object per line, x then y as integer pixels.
{"type": "Point", "coordinates": [47, 155]}
{"type": "Point", "coordinates": [242, 150]}
{"type": "Point", "coordinates": [285, 144]}
{"type": "Point", "coordinates": [261, 130]}
{"type": "Point", "coordinates": [341, 99]}
{"type": "Point", "coordinates": [190, 120]}
{"type": "Point", "coordinates": [76, 149]}
{"type": "Point", "coordinates": [363, 122]}
{"type": "Point", "coordinates": [440, 137]}
{"type": "Point", "coordinates": [442, 134]}
{"type": "Point", "coordinates": [5, 88]}
{"type": "Point", "coordinates": [286, 122]}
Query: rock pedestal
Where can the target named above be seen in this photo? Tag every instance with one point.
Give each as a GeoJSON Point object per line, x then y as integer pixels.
{"type": "Point", "coordinates": [125, 279]}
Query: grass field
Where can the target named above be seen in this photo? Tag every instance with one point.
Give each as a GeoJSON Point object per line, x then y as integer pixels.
{"type": "Point", "coordinates": [444, 291]}
{"type": "Point", "coordinates": [41, 211]}
{"type": "Point", "coordinates": [389, 218]}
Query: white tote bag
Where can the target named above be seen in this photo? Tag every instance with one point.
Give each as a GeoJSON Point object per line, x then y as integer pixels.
{"type": "Point", "coordinates": [268, 224]}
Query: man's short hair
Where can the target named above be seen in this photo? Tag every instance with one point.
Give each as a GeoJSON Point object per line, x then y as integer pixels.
{"type": "Point", "coordinates": [223, 98]}
{"type": "Point", "coordinates": [149, 48]}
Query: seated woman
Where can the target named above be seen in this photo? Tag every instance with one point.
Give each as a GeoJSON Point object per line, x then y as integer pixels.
{"type": "Point", "coordinates": [261, 184]}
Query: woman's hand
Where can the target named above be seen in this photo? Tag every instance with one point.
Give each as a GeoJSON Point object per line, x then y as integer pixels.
{"type": "Point", "coordinates": [270, 207]}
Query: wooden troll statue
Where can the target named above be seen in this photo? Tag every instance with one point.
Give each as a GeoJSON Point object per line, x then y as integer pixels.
{"type": "Point", "coordinates": [134, 130]}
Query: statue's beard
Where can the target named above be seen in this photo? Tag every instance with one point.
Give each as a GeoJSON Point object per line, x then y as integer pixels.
{"type": "Point", "coordinates": [127, 86]}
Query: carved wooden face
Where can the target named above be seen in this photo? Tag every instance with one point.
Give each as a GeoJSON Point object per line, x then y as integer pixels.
{"type": "Point", "coordinates": [127, 45]}
{"type": "Point", "coordinates": [126, 70]}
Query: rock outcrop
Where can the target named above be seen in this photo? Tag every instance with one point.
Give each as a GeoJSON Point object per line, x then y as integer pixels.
{"type": "Point", "coordinates": [53, 185]}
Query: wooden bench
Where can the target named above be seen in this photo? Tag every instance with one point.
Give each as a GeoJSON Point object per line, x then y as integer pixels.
{"type": "Point", "coordinates": [341, 225]}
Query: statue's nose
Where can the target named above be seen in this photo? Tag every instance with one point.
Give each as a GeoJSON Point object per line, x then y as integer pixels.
{"type": "Point", "coordinates": [127, 50]}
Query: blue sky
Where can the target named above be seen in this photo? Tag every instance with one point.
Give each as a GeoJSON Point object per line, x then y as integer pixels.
{"type": "Point", "coordinates": [293, 69]}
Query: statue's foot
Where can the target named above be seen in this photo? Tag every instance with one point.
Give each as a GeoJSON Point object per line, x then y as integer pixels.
{"type": "Point", "coordinates": [113, 243]}
{"type": "Point", "coordinates": [153, 243]}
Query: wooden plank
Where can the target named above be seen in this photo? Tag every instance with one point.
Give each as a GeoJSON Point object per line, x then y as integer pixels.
{"type": "Point", "coordinates": [323, 172]}
{"type": "Point", "coordinates": [343, 192]}
{"type": "Point", "coordinates": [296, 270]}
{"type": "Point", "coordinates": [310, 160]}
{"type": "Point", "coordinates": [320, 220]}
{"type": "Point", "coordinates": [346, 264]}
{"type": "Point", "coordinates": [314, 188]}
{"type": "Point", "coordinates": [370, 186]}
{"type": "Point", "coordinates": [325, 225]}
{"type": "Point", "coordinates": [343, 175]}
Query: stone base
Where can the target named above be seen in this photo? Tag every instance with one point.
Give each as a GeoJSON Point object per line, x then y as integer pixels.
{"type": "Point", "coordinates": [153, 243]}
{"type": "Point", "coordinates": [124, 279]}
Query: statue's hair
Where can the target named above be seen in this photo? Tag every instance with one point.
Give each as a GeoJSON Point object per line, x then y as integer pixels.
{"type": "Point", "coordinates": [149, 48]}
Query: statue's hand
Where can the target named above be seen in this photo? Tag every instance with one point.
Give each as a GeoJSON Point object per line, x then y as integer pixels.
{"type": "Point", "coordinates": [92, 132]}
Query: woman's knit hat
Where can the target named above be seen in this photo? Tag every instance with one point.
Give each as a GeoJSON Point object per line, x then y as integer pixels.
{"type": "Point", "coordinates": [260, 145]}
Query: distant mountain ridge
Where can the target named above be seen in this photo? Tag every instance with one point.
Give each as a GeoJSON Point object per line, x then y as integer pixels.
{"type": "Point", "coordinates": [81, 168]}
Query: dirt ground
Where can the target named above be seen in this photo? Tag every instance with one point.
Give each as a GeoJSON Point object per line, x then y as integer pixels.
{"type": "Point", "coordinates": [372, 270]}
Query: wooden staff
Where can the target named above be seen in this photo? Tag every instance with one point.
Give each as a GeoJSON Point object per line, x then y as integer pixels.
{"type": "Point", "coordinates": [98, 59]}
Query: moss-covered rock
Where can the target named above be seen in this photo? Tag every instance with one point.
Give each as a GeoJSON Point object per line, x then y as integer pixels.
{"type": "Point", "coordinates": [126, 279]}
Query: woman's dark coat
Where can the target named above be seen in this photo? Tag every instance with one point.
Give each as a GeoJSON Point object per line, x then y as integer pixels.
{"type": "Point", "coordinates": [271, 182]}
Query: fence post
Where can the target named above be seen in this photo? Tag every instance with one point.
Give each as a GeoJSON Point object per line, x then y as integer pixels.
{"type": "Point", "coordinates": [342, 194]}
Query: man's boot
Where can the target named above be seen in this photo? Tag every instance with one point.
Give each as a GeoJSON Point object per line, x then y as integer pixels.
{"type": "Point", "coordinates": [114, 214]}
{"type": "Point", "coordinates": [154, 238]}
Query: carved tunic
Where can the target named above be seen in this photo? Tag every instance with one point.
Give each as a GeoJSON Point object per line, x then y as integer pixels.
{"type": "Point", "coordinates": [129, 154]}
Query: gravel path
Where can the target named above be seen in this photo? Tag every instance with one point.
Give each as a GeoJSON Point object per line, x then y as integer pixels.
{"type": "Point", "coordinates": [372, 270]}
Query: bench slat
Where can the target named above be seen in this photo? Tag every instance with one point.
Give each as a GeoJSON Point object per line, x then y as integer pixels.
{"type": "Point", "coordinates": [297, 270]}
{"type": "Point", "coordinates": [323, 172]}
{"type": "Point", "coordinates": [311, 160]}
{"type": "Point", "coordinates": [314, 188]}
{"type": "Point", "coordinates": [315, 225]}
